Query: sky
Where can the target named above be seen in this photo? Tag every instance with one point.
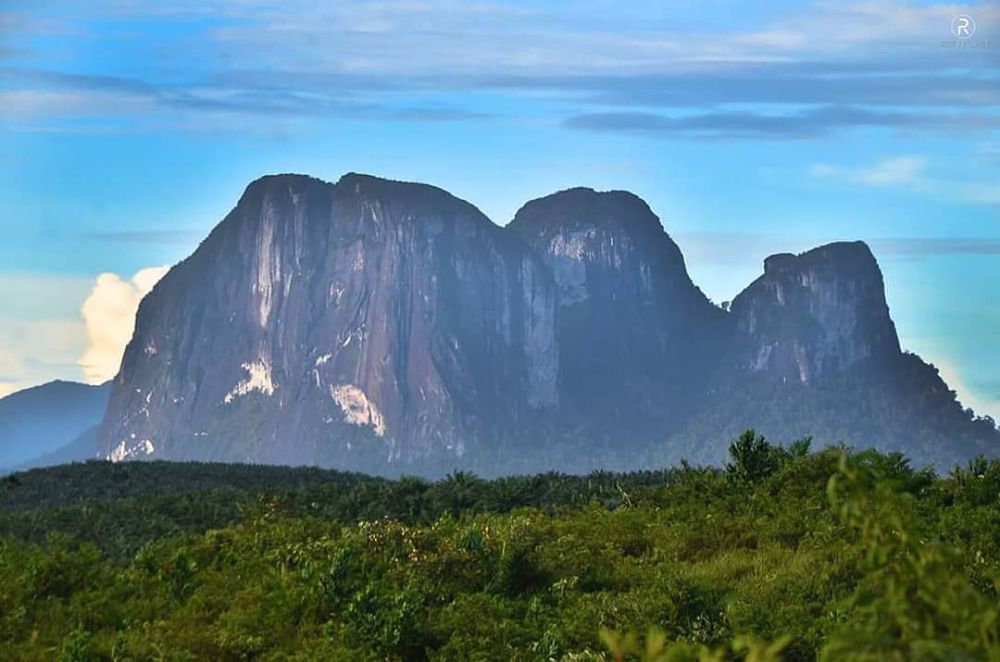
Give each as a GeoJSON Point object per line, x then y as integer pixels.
{"type": "Point", "coordinates": [129, 129]}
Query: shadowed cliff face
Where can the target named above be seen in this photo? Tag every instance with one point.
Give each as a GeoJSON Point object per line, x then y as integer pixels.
{"type": "Point", "coordinates": [393, 309]}
{"type": "Point", "coordinates": [816, 314]}
{"type": "Point", "coordinates": [636, 337]}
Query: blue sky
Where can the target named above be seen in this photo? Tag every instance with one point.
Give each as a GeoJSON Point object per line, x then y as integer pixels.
{"type": "Point", "coordinates": [128, 129]}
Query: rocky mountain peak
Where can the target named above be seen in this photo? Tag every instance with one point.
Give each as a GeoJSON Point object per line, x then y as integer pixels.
{"type": "Point", "coordinates": [420, 200]}
{"type": "Point", "coordinates": [583, 208]}
{"type": "Point", "coordinates": [815, 314]}
{"type": "Point", "coordinates": [842, 256]}
{"type": "Point", "coordinates": [367, 312]}
{"type": "Point", "coordinates": [627, 308]}
{"type": "Point", "coordinates": [602, 244]}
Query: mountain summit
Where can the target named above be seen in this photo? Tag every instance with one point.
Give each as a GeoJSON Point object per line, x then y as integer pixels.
{"type": "Point", "coordinates": [324, 321]}
{"type": "Point", "coordinates": [816, 314]}
{"type": "Point", "coordinates": [637, 340]}
{"type": "Point", "coordinates": [390, 326]}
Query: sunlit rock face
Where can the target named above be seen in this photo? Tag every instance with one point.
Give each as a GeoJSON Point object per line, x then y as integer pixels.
{"type": "Point", "coordinates": [319, 318]}
{"type": "Point", "coordinates": [816, 314]}
{"type": "Point", "coordinates": [637, 339]}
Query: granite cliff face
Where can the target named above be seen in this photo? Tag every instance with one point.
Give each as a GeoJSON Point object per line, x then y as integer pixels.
{"type": "Point", "coordinates": [388, 326]}
{"type": "Point", "coordinates": [320, 316]}
{"type": "Point", "coordinates": [637, 340]}
{"type": "Point", "coordinates": [816, 314]}
{"type": "Point", "coordinates": [816, 355]}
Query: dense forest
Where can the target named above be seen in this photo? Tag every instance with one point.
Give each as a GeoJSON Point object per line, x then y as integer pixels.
{"type": "Point", "coordinates": [910, 400]}
{"type": "Point", "coordinates": [785, 553]}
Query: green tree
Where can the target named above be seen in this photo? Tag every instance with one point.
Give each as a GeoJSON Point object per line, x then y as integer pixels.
{"type": "Point", "coordinates": [752, 458]}
{"type": "Point", "coordinates": [914, 602]}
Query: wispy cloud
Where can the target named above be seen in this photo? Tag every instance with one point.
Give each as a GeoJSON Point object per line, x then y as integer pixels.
{"type": "Point", "coordinates": [449, 37]}
{"type": "Point", "coordinates": [912, 247]}
{"type": "Point", "coordinates": [33, 351]}
{"type": "Point", "coordinates": [264, 60]}
{"type": "Point", "coordinates": [896, 171]}
{"type": "Point", "coordinates": [36, 96]}
{"type": "Point", "coordinates": [746, 124]}
{"type": "Point", "coordinates": [910, 173]}
{"type": "Point", "coordinates": [749, 248]}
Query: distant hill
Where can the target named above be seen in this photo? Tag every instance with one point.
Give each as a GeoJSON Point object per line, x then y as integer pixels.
{"type": "Point", "coordinates": [79, 449]}
{"type": "Point", "coordinates": [41, 420]}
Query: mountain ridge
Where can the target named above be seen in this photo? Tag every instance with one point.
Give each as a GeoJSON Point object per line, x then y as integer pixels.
{"type": "Point", "coordinates": [371, 323]}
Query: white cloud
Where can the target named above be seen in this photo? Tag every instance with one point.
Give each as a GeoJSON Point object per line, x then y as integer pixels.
{"type": "Point", "coordinates": [34, 351]}
{"type": "Point", "coordinates": [41, 335]}
{"type": "Point", "coordinates": [910, 173]}
{"type": "Point", "coordinates": [277, 66]}
{"type": "Point", "coordinates": [976, 192]}
{"type": "Point", "coordinates": [896, 171]}
{"type": "Point", "coordinates": [446, 36]}
{"type": "Point", "coordinates": [823, 170]}
{"type": "Point", "coordinates": [40, 103]}
{"type": "Point", "coordinates": [109, 315]}
{"type": "Point", "coordinates": [893, 171]}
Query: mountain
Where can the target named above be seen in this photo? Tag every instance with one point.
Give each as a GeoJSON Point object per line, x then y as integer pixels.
{"type": "Point", "coordinates": [391, 327]}
{"type": "Point", "coordinates": [637, 339]}
{"type": "Point", "coordinates": [37, 421]}
{"type": "Point", "coordinates": [329, 323]}
{"type": "Point", "coordinates": [817, 355]}
{"type": "Point", "coordinates": [815, 314]}
{"type": "Point", "coordinates": [79, 449]}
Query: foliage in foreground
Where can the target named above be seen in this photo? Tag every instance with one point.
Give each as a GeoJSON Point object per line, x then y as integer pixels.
{"type": "Point", "coordinates": [785, 554]}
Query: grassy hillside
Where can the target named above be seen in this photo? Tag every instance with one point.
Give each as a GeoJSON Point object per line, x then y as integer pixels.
{"type": "Point", "coordinates": [784, 554]}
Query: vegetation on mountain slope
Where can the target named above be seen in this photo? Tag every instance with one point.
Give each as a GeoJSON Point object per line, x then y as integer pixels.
{"type": "Point", "coordinates": [907, 409]}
